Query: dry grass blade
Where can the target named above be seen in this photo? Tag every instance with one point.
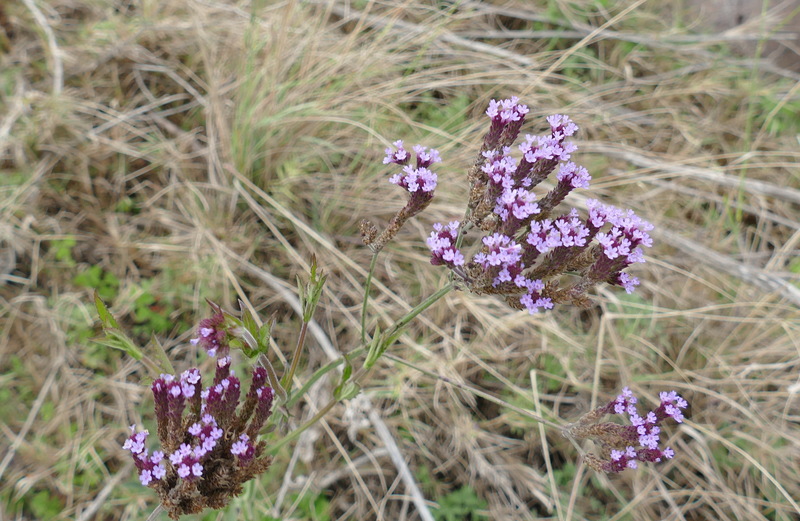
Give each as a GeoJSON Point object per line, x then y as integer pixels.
{"type": "Point", "coordinates": [163, 153]}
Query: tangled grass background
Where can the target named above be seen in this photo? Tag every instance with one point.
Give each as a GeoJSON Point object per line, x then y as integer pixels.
{"type": "Point", "coordinates": [167, 152]}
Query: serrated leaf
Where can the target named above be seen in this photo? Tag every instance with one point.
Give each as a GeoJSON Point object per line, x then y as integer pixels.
{"type": "Point", "coordinates": [248, 320]}
{"type": "Point", "coordinates": [164, 364]}
{"type": "Point", "coordinates": [347, 370]}
{"type": "Point", "coordinates": [346, 391]}
{"type": "Point", "coordinates": [106, 317]}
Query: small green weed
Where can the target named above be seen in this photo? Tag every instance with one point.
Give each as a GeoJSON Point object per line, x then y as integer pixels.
{"type": "Point", "coordinates": [95, 277]}
{"type": "Point", "coordinates": [62, 250]}
{"type": "Point", "coordinates": [462, 504]}
{"type": "Point", "coordinates": [44, 506]}
{"type": "Point", "coordinates": [447, 116]}
{"type": "Point", "coordinates": [315, 507]}
{"type": "Point", "coordinates": [152, 314]}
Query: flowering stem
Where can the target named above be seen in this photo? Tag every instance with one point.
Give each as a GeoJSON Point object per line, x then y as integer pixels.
{"type": "Point", "coordinates": [322, 371]}
{"type": "Point", "coordinates": [298, 431]}
{"type": "Point", "coordinates": [394, 332]}
{"type": "Point", "coordinates": [465, 227]}
{"type": "Point", "coordinates": [477, 392]}
{"type": "Point", "coordinates": [367, 287]}
{"type": "Point", "coordinates": [398, 326]}
{"type": "Point", "coordinates": [272, 376]}
{"type": "Point", "coordinates": [154, 514]}
{"type": "Point", "coordinates": [301, 340]}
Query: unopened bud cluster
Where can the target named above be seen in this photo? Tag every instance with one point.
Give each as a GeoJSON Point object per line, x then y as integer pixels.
{"type": "Point", "coordinates": [527, 249]}
{"type": "Point", "coordinates": [209, 446]}
{"type": "Point", "coordinates": [624, 446]}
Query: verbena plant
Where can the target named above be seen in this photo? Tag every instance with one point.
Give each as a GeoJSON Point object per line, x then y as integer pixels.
{"type": "Point", "coordinates": [530, 254]}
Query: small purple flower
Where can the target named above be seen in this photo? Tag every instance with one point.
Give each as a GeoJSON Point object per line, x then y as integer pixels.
{"type": "Point", "coordinates": [212, 336]}
{"type": "Point", "coordinates": [442, 245]}
{"type": "Point", "coordinates": [500, 168]}
{"type": "Point", "coordinates": [573, 175]}
{"type": "Point", "coordinates": [150, 468]}
{"type": "Point", "coordinates": [501, 257]}
{"type": "Point", "coordinates": [601, 214]}
{"type": "Point", "coordinates": [135, 443]}
{"type": "Point", "coordinates": [243, 448]}
{"type": "Point", "coordinates": [506, 110]}
{"type": "Point", "coordinates": [415, 179]}
{"type": "Point", "coordinates": [614, 244]}
{"type": "Point", "coordinates": [561, 126]}
{"type": "Point", "coordinates": [672, 404]}
{"type": "Point", "coordinates": [620, 460]}
{"type": "Point", "coordinates": [536, 148]}
{"type": "Point", "coordinates": [571, 230]}
{"type": "Point", "coordinates": [544, 236]}
{"type": "Point", "coordinates": [426, 157]}
{"type": "Point", "coordinates": [517, 204]}
{"type": "Point", "coordinates": [399, 157]}
{"type": "Point", "coordinates": [190, 383]}
{"type": "Point", "coordinates": [502, 251]}
{"type": "Point", "coordinates": [507, 117]}
{"type": "Point", "coordinates": [627, 281]}
{"type": "Point", "coordinates": [625, 402]}
{"type": "Point", "coordinates": [532, 300]}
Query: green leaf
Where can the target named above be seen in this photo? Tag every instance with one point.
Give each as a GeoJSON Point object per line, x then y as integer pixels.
{"type": "Point", "coordinates": [106, 318]}
{"type": "Point", "coordinates": [264, 335]}
{"type": "Point", "coordinates": [248, 320]}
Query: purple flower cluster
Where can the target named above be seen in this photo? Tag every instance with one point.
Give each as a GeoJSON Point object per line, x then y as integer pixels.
{"type": "Point", "coordinates": [644, 429]}
{"type": "Point", "coordinates": [507, 117]}
{"type": "Point", "coordinates": [419, 180]}
{"type": "Point", "coordinates": [150, 467]}
{"type": "Point", "coordinates": [207, 434]}
{"type": "Point", "coordinates": [526, 253]}
{"type": "Point", "coordinates": [443, 242]}
{"type": "Point", "coordinates": [623, 447]}
{"type": "Point", "coordinates": [190, 440]}
{"type": "Point", "coordinates": [212, 335]}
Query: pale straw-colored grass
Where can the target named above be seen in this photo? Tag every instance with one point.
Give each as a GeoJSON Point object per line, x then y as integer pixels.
{"type": "Point", "coordinates": [207, 149]}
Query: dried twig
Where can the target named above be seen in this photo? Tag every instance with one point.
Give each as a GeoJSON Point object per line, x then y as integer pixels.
{"type": "Point", "coordinates": [55, 52]}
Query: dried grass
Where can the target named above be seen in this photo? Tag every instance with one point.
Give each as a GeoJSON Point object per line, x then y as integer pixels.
{"type": "Point", "coordinates": [193, 147]}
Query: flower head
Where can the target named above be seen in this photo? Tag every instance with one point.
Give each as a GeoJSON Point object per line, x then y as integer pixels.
{"type": "Point", "coordinates": [442, 245]}
{"type": "Point", "coordinates": [415, 179]}
{"type": "Point", "coordinates": [621, 447]}
{"type": "Point", "coordinates": [212, 335]}
{"type": "Point", "coordinates": [206, 434]}
{"type": "Point", "coordinates": [530, 255]}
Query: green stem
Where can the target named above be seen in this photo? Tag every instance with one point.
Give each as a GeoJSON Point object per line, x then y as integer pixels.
{"type": "Point", "coordinates": [466, 226]}
{"type": "Point", "coordinates": [272, 376]}
{"type": "Point", "coordinates": [395, 331]}
{"type": "Point", "coordinates": [367, 287]}
{"type": "Point", "coordinates": [301, 340]}
{"type": "Point", "coordinates": [298, 431]}
{"type": "Point", "coordinates": [322, 371]}
{"type": "Point", "coordinates": [419, 308]}
{"type": "Point", "coordinates": [477, 392]}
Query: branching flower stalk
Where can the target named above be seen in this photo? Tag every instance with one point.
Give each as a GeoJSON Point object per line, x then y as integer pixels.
{"type": "Point", "coordinates": [535, 257]}
{"type": "Point", "coordinates": [209, 445]}
{"type": "Point", "coordinates": [420, 182]}
{"type": "Point", "coordinates": [530, 254]}
{"type": "Point", "coordinates": [623, 447]}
